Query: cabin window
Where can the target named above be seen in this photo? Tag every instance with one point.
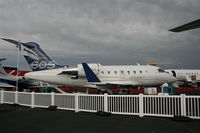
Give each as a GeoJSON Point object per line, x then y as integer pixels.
{"type": "Point", "coordinates": [108, 72]}
{"type": "Point", "coordinates": [102, 72]}
{"type": "Point", "coordinates": [140, 71]}
{"type": "Point", "coordinates": [134, 72]}
{"type": "Point", "coordinates": [128, 72]}
{"type": "Point", "coordinates": [115, 72]}
{"type": "Point", "coordinates": [122, 72]}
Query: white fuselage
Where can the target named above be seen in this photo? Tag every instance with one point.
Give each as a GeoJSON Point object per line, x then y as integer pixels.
{"type": "Point", "coordinates": [185, 74]}
{"type": "Point", "coordinates": [132, 75]}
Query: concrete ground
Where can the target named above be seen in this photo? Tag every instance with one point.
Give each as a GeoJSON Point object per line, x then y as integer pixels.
{"type": "Point", "coordinates": [14, 118]}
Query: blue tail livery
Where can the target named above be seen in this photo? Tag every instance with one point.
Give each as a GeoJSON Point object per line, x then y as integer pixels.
{"type": "Point", "coordinates": [35, 56]}
{"type": "Point", "coordinates": [90, 75]}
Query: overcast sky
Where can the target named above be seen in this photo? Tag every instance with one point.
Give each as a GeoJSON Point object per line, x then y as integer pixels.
{"type": "Point", "coordinates": [105, 31]}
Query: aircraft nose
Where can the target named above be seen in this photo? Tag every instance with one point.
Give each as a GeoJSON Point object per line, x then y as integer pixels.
{"type": "Point", "coordinates": [173, 79]}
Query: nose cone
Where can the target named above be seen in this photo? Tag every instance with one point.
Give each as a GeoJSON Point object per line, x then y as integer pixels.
{"type": "Point", "coordinates": [172, 79]}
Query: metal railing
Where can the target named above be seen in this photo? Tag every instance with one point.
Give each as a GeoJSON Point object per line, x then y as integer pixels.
{"type": "Point", "coordinates": [142, 105]}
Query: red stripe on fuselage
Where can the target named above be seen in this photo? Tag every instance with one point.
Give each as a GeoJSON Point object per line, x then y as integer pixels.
{"type": "Point", "coordinates": [14, 72]}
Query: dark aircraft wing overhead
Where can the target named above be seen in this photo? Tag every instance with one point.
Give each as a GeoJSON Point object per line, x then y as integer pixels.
{"type": "Point", "coordinates": [189, 26]}
{"type": "Point", "coordinates": [2, 59]}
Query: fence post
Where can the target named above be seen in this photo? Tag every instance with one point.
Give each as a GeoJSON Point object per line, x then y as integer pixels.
{"type": "Point", "coordinates": [105, 102]}
{"type": "Point", "coordinates": [52, 98]}
{"type": "Point", "coordinates": [141, 109]}
{"type": "Point", "coordinates": [183, 105]}
{"type": "Point", "coordinates": [32, 99]}
{"type": "Point", "coordinates": [2, 96]}
{"type": "Point", "coordinates": [16, 96]}
{"type": "Point", "coordinates": [76, 102]}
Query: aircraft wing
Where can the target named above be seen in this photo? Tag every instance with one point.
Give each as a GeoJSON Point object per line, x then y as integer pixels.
{"type": "Point", "coordinates": [116, 83]}
{"type": "Point", "coordinates": [2, 59]}
{"type": "Point", "coordinates": [12, 41]}
{"type": "Point", "coordinates": [189, 26]}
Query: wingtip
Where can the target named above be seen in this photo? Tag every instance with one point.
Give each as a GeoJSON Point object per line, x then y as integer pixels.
{"type": "Point", "coordinates": [2, 59]}
{"type": "Point", "coordinates": [12, 41]}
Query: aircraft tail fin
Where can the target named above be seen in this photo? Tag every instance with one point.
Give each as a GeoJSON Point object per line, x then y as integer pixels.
{"type": "Point", "coordinates": [34, 55]}
{"type": "Point", "coordinates": [37, 58]}
{"type": "Point", "coordinates": [90, 75]}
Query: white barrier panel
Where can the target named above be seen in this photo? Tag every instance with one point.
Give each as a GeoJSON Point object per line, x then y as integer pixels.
{"type": "Point", "coordinates": [42, 99]}
{"type": "Point", "coordinates": [66, 101]}
{"type": "Point", "coordinates": [192, 106]}
{"type": "Point", "coordinates": [9, 97]}
{"type": "Point", "coordinates": [119, 104]}
{"type": "Point", "coordinates": [90, 103]}
{"type": "Point", "coordinates": [24, 98]}
{"type": "Point", "coordinates": [162, 105]}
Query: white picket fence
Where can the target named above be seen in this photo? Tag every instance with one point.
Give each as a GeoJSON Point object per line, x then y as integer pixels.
{"type": "Point", "coordinates": [142, 105]}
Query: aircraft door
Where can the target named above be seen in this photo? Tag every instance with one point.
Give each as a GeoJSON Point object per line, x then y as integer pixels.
{"type": "Point", "coordinates": [174, 73]}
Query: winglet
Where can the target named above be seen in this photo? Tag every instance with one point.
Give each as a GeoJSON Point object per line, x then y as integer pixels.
{"type": "Point", "coordinates": [90, 75]}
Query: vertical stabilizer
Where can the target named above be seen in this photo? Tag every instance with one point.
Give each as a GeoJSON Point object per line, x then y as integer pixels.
{"type": "Point", "coordinates": [37, 58]}
{"type": "Point", "coordinates": [34, 55]}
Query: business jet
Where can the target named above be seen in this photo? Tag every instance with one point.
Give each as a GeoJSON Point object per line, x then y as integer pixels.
{"type": "Point", "coordinates": [186, 75]}
{"type": "Point", "coordinates": [93, 75]}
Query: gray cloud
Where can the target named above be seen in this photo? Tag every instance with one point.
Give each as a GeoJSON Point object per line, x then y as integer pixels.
{"type": "Point", "coordinates": [106, 31]}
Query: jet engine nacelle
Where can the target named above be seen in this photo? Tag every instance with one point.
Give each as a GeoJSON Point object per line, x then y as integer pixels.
{"type": "Point", "coordinates": [93, 67]}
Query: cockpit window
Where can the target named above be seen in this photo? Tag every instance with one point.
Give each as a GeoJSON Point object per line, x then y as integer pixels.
{"type": "Point", "coordinates": [161, 71]}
